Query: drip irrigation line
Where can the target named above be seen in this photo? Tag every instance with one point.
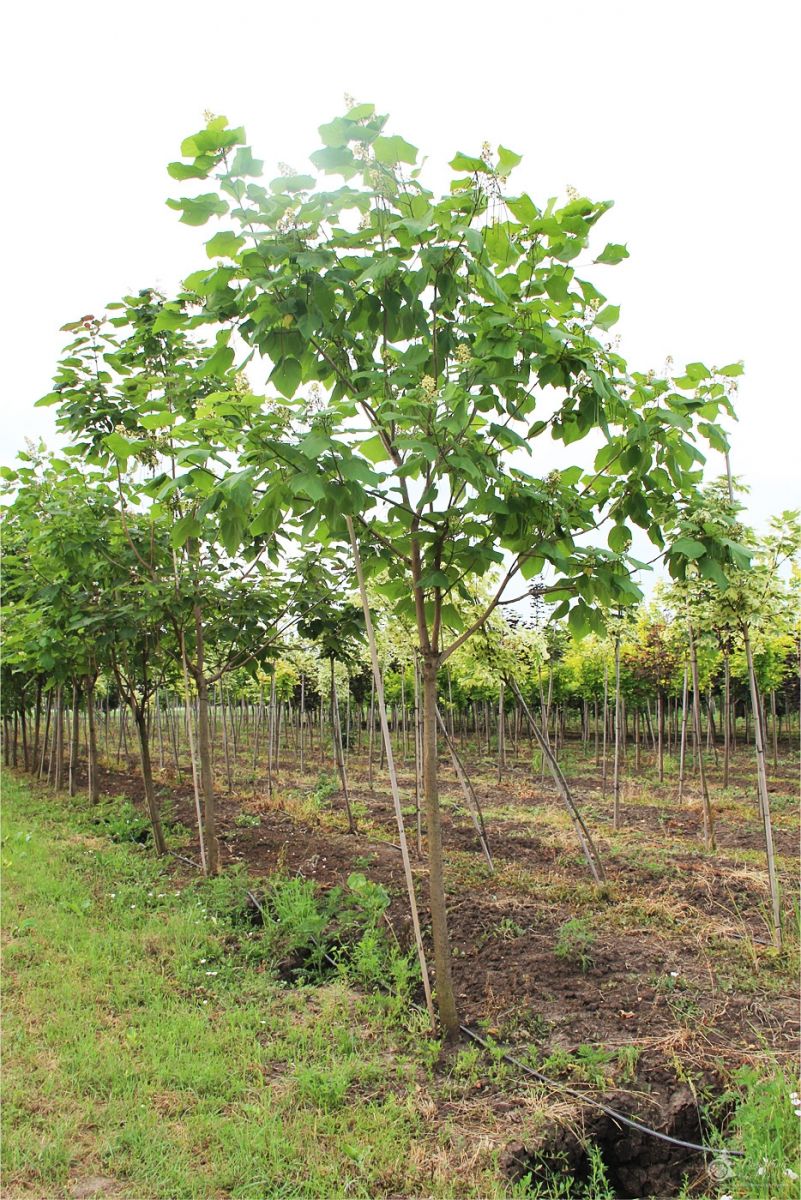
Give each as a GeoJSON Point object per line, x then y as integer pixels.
{"type": "Point", "coordinates": [610, 1112]}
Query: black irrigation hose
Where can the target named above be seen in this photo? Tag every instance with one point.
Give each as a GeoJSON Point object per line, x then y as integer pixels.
{"type": "Point", "coordinates": [610, 1112]}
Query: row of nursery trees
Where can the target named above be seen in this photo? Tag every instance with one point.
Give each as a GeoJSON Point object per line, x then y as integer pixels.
{"type": "Point", "coordinates": [336, 436]}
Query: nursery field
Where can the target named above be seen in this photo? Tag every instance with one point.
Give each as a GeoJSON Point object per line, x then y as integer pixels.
{"type": "Point", "coordinates": [372, 826]}
{"type": "Point", "coordinates": [162, 1040]}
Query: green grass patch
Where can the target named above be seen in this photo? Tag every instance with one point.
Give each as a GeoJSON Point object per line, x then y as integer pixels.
{"type": "Point", "coordinates": [145, 1044]}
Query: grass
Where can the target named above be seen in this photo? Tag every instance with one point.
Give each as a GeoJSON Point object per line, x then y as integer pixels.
{"type": "Point", "coordinates": [139, 1048]}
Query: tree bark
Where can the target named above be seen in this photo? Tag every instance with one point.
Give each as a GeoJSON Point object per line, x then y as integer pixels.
{"type": "Point", "coordinates": [93, 783]}
{"type": "Point", "coordinates": [204, 750]}
{"type": "Point", "coordinates": [764, 797]}
{"type": "Point", "coordinates": [709, 824]}
{"type": "Point", "coordinates": [147, 778]}
{"type": "Point", "coordinates": [446, 1000]}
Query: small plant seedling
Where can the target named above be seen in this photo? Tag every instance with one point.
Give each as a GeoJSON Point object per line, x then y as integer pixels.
{"type": "Point", "coordinates": [574, 943]}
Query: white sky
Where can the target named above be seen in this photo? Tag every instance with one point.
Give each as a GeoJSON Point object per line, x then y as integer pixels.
{"type": "Point", "coordinates": [684, 113]}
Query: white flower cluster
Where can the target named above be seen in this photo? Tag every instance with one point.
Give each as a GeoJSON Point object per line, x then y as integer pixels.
{"type": "Point", "coordinates": [428, 385]}
{"type": "Point", "coordinates": [463, 353]}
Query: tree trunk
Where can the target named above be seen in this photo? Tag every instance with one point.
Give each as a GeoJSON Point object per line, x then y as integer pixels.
{"type": "Point", "coordinates": [147, 779]}
{"type": "Point", "coordinates": [93, 783]}
{"type": "Point", "coordinates": [204, 750]}
{"type": "Point", "coordinates": [37, 727]}
{"type": "Point", "coordinates": [58, 741]}
{"type": "Point", "coordinates": [446, 1000]}
{"type": "Point", "coordinates": [76, 729]}
{"type": "Point", "coordinates": [683, 742]}
{"type": "Point", "coordinates": [606, 702]}
{"type": "Point", "coordinates": [393, 779]}
{"type": "Point", "coordinates": [709, 825]}
{"type": "Point", "coordinates": [616, 768]}
{"type": "Point", "coordinates": [764, 798]}
{"type": "Point", "coordinates": [726, 718]}
{"type": "Point", "coordinates": [336, 734]}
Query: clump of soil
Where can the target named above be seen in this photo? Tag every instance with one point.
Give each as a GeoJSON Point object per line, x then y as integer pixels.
{"type": "Point", "coordinates": [636, 1164]}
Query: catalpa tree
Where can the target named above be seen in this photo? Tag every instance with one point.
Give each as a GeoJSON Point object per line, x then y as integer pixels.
{"type": "Point", "coordinates": [429, 347]}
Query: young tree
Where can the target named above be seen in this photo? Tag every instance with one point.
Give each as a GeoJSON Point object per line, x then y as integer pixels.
{"type": "Point", "coordinates": [450, 335]}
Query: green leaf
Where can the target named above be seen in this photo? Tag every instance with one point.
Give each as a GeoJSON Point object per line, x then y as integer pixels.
{"type": "Point", "coordinates": [224, 244]}
{"type": "Point", "coordinates": [712, 570]}
{"type": "Point", "coordinates": [619, 538]}
{"type": "Point", "coordinates": [381, 267]}
{"type": "Point", "coordinates": [312, 485]}
{"type": "Point", "coordinates": [392, 150]}
{"type": "Point", "coordinates": [607, 317]}
{"type": "Point", "coordinates": [119, 446]}
{"type": "Point", "coordinates": [689, 547]}
{"type": "Point", "coordinates": [360, 112]}
{"type": "Point", "coordinates": [245, 164]}
{"type": "Point", "coordinates": [286, 376]}
{"type": "Point", "coordinates": [198, 210]}
{"type": "Point", "coordinates": [732, 369]}
{"type": "Point", "coordinates": [183, 530]}
{"type": "Point", "coordinates": [465, 162]}
{"type": "Point", "coordinates": [334, 160]}
{"type": "Point", "coordinates": [507, 160]}
{"type": "Point", "coordinates": [168, 321]}
{"type": "Point", "coordinates": [612, 254]}
{"type": "Point", "coordinates": [374, 449]}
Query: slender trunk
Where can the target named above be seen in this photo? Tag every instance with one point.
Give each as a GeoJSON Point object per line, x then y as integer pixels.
{"type": "Point", "coordinates": [204, 749]}
{"type": "Point", "coordinates": [336, 734]}
{"type": "Point", "coordinates": [446, 999]}
{"type": "Point", "coordinates": [396, 799]}
{"type": "Point", "coordinates": [37, 726]}
{"type": "Point", "coordinates": [501, 732]}
{"type": "Point", "coordinates": [301, 719]}
{"type": "Point", "coordinates": [76, 729]}
{"type": "Point", "coordinates": [58, 741]}
{"type": "Point", "coordinates": [418, 759]}
{"type": "Point", "coordinates": [616, 767]}
{"type": "Point", "coordinates": [726, 718]}
{"type": "Point", "coordinates": [192, 758]}
{"type": "Point", "coordinates": [603, 750]}
{"type": "Point", "coordinates": [93, 787]}
{"type": "Point", "coordinates": [226, 752]}
{"type": "Point", "coordinates": [637, 738]}
{"type": "Point", "coordinates": [660, 734]}
{"type": "Point", "coordinates": [46, 738]}
{"type": "Point", "coordinates": [764, 798]}
{"type": "Point", "coordinates": [709, 825]}
{"type": "Point", "coordinates": [774, 732]}
{"type": "Point", "coordinates": [371, 734]}
{"type": "Point", "coordinates": [23, 725]}
{"type": "Point", "coordinates": [683, 741]}
{"type": "Point", "coordinates": [147, 779]}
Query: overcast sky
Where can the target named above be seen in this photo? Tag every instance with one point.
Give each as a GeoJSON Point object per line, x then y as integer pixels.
{"type": "Point", "coordinates": [686, 114]}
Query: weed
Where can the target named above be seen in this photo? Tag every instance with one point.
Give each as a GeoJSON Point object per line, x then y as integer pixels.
{"type": "Point", "coordinates": [574, 943]}
{"type": "Point", "coordinates": [246, 820]}
{"type": "Point", "coordinates": [627, 1059]}
{"type": "Point", "coordinates": [760, 1116]}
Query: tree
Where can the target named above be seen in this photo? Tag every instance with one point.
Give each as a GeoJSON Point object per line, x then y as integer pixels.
{"type": "Point", "coordinates": [448, 335]}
